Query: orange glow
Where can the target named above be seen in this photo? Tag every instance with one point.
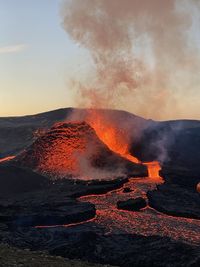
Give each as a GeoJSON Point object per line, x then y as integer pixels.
{"type": "Point", "coordinates": [63, 154]}
{"type": "Point", "coordinates": [7, 159]}
{"type": "Point", "coordinates": [63, 150]}
{"type": "Point", "coordinates": [67, 147]}
{"type": "Point", "coordinates": [147, 222]}
{"type": "Point", "coordinates": [153, 169]}
{"type": "Point", "coordinates": [198, 187]}
{"type": "Point", "coordinates": [115, 139]}
{"type": "Point", "coordinates": [64, 225]}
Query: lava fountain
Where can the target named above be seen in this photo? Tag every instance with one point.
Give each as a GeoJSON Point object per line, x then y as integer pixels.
{"type": "Point", "coordinates": [118, 141]}
{"type": "Point", "coordinates": [114, 138]}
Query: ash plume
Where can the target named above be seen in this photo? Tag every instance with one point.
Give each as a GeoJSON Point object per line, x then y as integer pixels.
{"type": "Point", "coordinates": [141, 51]}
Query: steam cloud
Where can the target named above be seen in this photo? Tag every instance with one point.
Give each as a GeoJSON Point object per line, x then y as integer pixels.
{"type": "Point", "coordinates": [140, 50]}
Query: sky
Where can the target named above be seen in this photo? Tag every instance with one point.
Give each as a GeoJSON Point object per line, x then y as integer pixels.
{"type": "Point", "coordinates": [38, 58]}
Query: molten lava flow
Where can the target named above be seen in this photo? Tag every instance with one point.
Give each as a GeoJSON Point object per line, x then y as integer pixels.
{"type": "Point", "coordinates": [115, 139]}
{"type": "Point", "coordinates": [153, 169]}
{"type": "Point", "coordinates": [147, 222]}
{"type": "Point", "coordinates": [198, 187]}
{"type": "Point", "coordinates": [6, 159]}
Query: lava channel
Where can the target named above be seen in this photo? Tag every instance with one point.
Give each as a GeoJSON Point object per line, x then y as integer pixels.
{"type": "Point", "coordinates": [148, 221]}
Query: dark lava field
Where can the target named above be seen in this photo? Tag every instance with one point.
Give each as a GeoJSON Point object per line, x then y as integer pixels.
{"type": "Point", "coordinates": [120, 215]}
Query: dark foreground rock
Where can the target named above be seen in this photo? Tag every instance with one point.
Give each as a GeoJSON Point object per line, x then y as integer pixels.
{"type": "Point", "coordinates": [41, 208]}
{"type": "Point", "coordinates": [175, 200]}
{"type": "Point", "coordinates": [132, 204]}
{"type": "Point", "coordinates": [15, 180]}
{"type": "Point", "coordinates": [178, 196]}
{"type": "Point", "coordinates": [187, 178]}
{"type": "Point", "coordinates": [55, 204]}
{"type": "Point", "coordinates": [57, 212]}
{"type": "Point", "coordinates": [90, 243]}
{"type": "Point", "coordinates": [13, 257]}
{"type": "Point", "coordinates": [127, 190]}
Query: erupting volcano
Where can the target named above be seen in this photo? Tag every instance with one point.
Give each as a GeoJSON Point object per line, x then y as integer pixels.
{"type": "Point", "coordinates": [102, 192]}
{"type": "Point", "coordinates": [114, 137]}
{"type": "Point", "coordinates": [118, 141]}
{"type": "Point", "coordinates": [74, 149]}
{"type": "Point", "coordinates": [105, 179]}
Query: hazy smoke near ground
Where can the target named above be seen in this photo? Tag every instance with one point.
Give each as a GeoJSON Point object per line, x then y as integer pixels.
{"type": "Point", "coordinates": [141, 49]}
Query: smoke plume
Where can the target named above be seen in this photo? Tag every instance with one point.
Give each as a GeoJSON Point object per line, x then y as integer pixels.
{"type": "Point", "coordinates": [141, 51]}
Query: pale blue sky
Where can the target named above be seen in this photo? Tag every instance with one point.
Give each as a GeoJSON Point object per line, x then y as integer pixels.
{"type": "Point", "coordinates": [37, 58]}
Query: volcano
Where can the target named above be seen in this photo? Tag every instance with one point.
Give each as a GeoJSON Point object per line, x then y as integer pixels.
{"type": "Point", "coordinates": [42, 211]}
{"type": "Point", "coordinates": [73, 149]}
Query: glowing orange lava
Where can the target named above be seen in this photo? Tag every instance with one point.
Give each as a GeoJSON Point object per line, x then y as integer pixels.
{"type": "Point", "coordinates": [7, 159]}
{"type": "Point", "coordinates": [61, 149]}
{"type": "Point", "coordinates": [198, 187]}
{"type": "Point", "coordinates": [115, 139]}
{"type": "Point", "coordinates": [153, 170]}
{"type": "Point", "coordinates": [148, 221]}
{"type": "Point", "coordinates": [118, 141]}
{"type": "Point", "coordinates": [64, 225]}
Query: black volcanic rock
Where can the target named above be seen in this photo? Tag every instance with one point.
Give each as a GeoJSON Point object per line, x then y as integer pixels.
{"type": "Point", "coordinates": [89, 242]}
{"type": "Point", "coordinates": [11, 256]}
{"type": "Point", "coordinates": [188, 179]}
{"type": "Point", "coordinates": [74, 149]}
{"type": "Point", "coordinates": [175, 200]}
{"type": "Point", "coordinates": [132, 204]}
{"type": "Point", "coordinates": [178, 196]}
{"type": "Point", "coordinates": [16, 180]}
{"type": "Point", "coordinates": [61, 211]}
{"type": "Point", "coordinates": [175, 143]}
{"type": "Point", "coordinates": [127, 190]}
{"type": "Point", "coordinates": [54, 204]}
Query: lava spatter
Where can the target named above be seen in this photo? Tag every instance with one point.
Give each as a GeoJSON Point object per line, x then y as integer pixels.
{"type": "Point", "coordinates": [146, 222]}
{"type": "Point", "coordinates": [73, 149]}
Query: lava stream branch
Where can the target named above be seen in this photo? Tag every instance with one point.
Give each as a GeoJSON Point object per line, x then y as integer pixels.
{"type": "Point", "coordinates": [6, 159]}
{"type": "Point", "coordinates": [146, 222]}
